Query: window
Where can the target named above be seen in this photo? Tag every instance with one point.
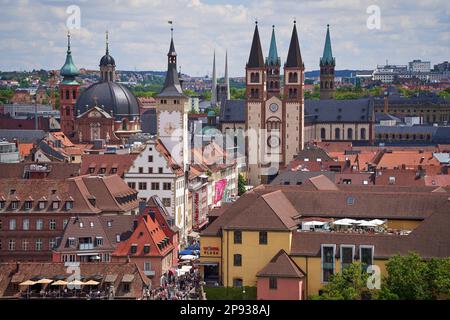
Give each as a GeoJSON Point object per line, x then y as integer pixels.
{"type": "Point", "coordinates": [323, 133]}
{"type": "Point", "coordinates": [263, 237]}
{"type": "Point", "coordinates": [25, 245]}
{"type": "Point", "coordinates": [155, 185]}
{"type": "Point", "coordinates": [349, 134]}
{"type": "Point", "coordinates": [39, 224]}
{"type": "Point", "coordinates": [147, 248]}
{"type": "Point", "coordinates": [132, 185]}
{"type": "Point", "coordinates": [14, 205]}
{"type": "Point", "coordinates": [26, 224]}
{"type": "Point", "coordinates": [11, 245]}
{"type": "Point", "coordinates": [366, 256]}
{"type": "Point", "coordinates": [363, 133]}
{"type": "Point", "coordinates": [38, 245]}
{"type": "Point", "coordinates": [150, 170]}
{"type": "Point", "coordinates": [272, 283]}
{"type": "Point", "coordinates": [41, 205]}
{"type": "Point", "coordinates": [150, 158]}
{"type": "Point", "coordinates": [141, 170]}
{"type": "Point", "coordinates": [117, 237]}
{"type": "Point", "coordinates": [98, 241]}
{"type": "Point", "coordinates": [28, 205]}
{"type": "Point", "coordinates": [12, 224]}
{"type": "Point", "coordinates": [52, 224]}
{"type": "Point", "coordinates": [160, 170]}
{"type": "Point", "coordinates": [91, 170]}
{"type": "Point", "coordinates": [237, 237]}
{"type": "Point", "coordinates": [55, 204]}
{"type": "Point", "coordinates": [126, 287]}
{"type": "Point", "coordinates": [328, 253]}
{"type": "Point", "coordinates": [167, 186]}
{"type": "Point", "coordinates": [237, 282]}
{"type": "Point", "coordinates": [2, 204]}
{"type": "Point", "coordinates": [237, 260]}
{"type": "Point", "coordinates": [147, 266]}
{"type": "Point", "coordinates": [347, 255]}
{"type": "Point", "coordinates": [65, 222]}
{"type": "Point", "coordinates": [337, 134]}
{"type": "Point", "coordinates": [350, 201]}
{"type": "Point", "coordinates": [52, 243]}
{"type": "Point", "coordinates": [69, 205]}
{"type": "Point", "coordinates": [71, 242]}
{"type": "Point", "coordinates": [133, 248]}
{"type": "Point", "coordinates": [113, 170]}
{"type": "Point", "coordinates": [166, 202]}
{"type": "Point", "coordinates": [142, 186]}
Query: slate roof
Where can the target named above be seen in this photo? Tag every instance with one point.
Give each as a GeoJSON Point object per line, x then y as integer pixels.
{"type": "Point", "coordinates": [352, 110]}
{"type": "Point", "coordinates": [294, 57]}
{"type": "Point", "coordinates": [233, 111]}
{"type": "Point", "coordinates": [256, 60]}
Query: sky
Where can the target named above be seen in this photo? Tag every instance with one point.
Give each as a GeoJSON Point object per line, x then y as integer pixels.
{"type": "Point", "coordinates": [33, 32]}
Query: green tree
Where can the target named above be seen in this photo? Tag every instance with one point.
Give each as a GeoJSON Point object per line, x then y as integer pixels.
{"type": "Point", "coordinates": [406, 278]}
{"type": "Point", "coordinates": [350, 284]}
{"type": "Point", "coordinates": [242, 182]}
{"type": "Point", "coordinates": [438, 278]}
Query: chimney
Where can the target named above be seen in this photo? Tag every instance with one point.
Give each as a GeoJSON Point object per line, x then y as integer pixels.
{"type": "Point", "coordinates": [142, 206]}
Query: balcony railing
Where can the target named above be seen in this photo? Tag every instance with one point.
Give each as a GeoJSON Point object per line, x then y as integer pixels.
{"type": "Point", "coordinates": [86, 246]}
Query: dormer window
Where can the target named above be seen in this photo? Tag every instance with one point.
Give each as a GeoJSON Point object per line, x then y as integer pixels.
{"type": "Point", "coordinates": [98, 241]}
{"type": "Point", "coordinates": [14, 205]}
{"type": "Point", "coordinates": [81, 225]}
{"type": "Point", "coordinates": [41, 205]}
{"type": "Point", "coordinates": [133, 248]}
{"type": "Point", "coordinates": [69, 205]}
{"type": "Point", "coordinates": [146, 248]}
{"type": "Point", "coordinates": [113, 170]}
{"type": "Point", "coordinates": [2, 204]}
{"type": "Point", "coordinates": [71, 242]}
{"type": "Point", "coordinates": [55, 205]}
{"type": "Point", "coordinates": [28, 205]}
{"type": "Point", "coordinates": [91, 224]}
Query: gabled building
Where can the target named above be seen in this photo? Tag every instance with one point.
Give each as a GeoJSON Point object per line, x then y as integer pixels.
{"type": "Point", "coordinates": [151, 245]}
{"type": "Point", "coordinates": [35, 211]}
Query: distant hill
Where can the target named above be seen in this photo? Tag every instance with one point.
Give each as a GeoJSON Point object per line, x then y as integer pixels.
{"type": "Point", "coordinates": [338, 73]}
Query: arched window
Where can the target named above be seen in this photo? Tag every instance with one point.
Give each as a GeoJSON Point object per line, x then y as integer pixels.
{"type": "Point", "coordinates": [323, 134]}
{"type": "Point", "coordinates": [363, 133]}
{"type": "Point", "coordinates": [337, 134]}
{"type": "Point", "coordinates": [326, 84]}
{"type": "Point", "coordinates": [67, 94]}
{"type": "Point", "coordinates": [349, 134]}
{"type": "Point", "coordinates": [124, 125]}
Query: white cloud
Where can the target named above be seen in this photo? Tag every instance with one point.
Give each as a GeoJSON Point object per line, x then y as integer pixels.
{"type": "Point", "coordinates": [32, 33]}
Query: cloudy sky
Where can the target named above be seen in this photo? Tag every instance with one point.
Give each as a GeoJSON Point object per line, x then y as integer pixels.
{"type": "Point", "coordinates": [33, 32]}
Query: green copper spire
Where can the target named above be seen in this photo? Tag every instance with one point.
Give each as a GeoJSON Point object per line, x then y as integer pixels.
{"type": "Point", "coordinates": [273, 58]}
{"type": "Point", "coordinates": [327, 57]}
{"type": "Point", "coordinates": [69, 71]}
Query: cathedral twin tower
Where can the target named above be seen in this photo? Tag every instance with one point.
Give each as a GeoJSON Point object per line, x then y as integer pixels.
{"type": "Point", "coordinates": [275, 119]}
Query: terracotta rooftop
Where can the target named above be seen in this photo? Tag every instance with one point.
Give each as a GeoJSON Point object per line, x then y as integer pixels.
{"type": "Point", "coordinates": [281, 266]}
{"type": "Point", "coordinates": [107, 163]}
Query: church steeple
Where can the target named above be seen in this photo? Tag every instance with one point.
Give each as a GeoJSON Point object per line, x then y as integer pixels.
{"type": "Point", "coordinates": [214, 83]}
{"type": "Point", "coordinates": [273, 58]}
{"type": "Point", "coordinates": [172, 86]}
{"type": "Point", "coordinates": [327, 57]}
{"type": "Point", "coordinates": [107, 63]}
{"type": "Point", "coordinates": [294, 58]}
{"type": "Point", "coordinates": [69, 71]}
{"type": "Point", "coordinates": [327, 64]}
{"type": "Point", "coordinates": [256, 60]}
{"type": "Point", "coordinates": [273, 64]}
{"type": "Point", "coordinates": [227, 80]}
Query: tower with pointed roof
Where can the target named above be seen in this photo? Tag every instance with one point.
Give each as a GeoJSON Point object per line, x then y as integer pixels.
{"type": "Point", "coordinates": [214, 84]}
{"type": "Point", "coordinates": [69, 90]}
{"type": "Point", "coordinates": [172, 112]}
{"type": "Point", "coordinates": [107, 64]}
{"type": "Point", "coordinates": [274, 117]}
{"type": "Point", "coordinates": [273, 64]}
{"type": "Point", "coordinates": [327, 65]}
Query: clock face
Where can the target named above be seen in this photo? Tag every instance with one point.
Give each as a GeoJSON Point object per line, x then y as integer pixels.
{"type": "Point", "coordinates": [273, 107]}
{"type": "Point", "coordinates": [273, 141]}
{"type": "Point", "coordinates": [169, 128]}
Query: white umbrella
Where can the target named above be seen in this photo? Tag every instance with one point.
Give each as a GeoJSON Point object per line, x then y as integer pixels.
{"type": "Point", "coordinates": [367, 224]}
{"type": "Point", "coordinates": [188, 257]}
{"type": "Point", "coordinates": [313, 223]}
{"type": "Point", "coordinates": [378, 222]}
{"type": "Point", "coordinates": [342, 222]}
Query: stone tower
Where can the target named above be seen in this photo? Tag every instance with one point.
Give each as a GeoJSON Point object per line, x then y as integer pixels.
{"type": "Point", "coordinates": [273, 64]}
{"type": "Point", "coordinates": [327, 64]}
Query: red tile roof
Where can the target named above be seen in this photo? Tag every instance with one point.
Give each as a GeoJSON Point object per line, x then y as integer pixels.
{"type": "Point", "coordinates": [281, 266]}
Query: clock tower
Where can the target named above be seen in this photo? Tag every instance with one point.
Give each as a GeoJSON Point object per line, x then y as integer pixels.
{"type": "Point", "coordinates": [172, 112]}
